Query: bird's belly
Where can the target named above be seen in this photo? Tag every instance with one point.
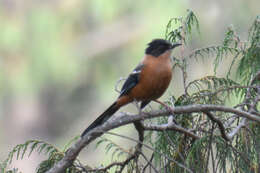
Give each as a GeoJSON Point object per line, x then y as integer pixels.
{"type": "Point", "coordinates": [152, 87]}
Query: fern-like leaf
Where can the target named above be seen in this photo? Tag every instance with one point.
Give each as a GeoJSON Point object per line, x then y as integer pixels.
{"type": "Point", "coordinates": [20, 150]}
{"type": "Point", "coordinates": [181, 33]}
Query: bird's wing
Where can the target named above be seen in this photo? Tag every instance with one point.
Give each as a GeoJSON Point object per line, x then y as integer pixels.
{"type": "Point", "coordinates": [132, 80]}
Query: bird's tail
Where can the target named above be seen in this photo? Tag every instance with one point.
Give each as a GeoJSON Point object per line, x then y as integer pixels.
{"type": "Point", "coordinates": [102, 118]}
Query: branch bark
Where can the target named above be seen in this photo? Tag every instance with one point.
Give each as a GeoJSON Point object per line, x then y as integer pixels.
{"type": "Point", "coordinates": [220, 125]}
{"type": "Point", "coordinates": [171, 126]}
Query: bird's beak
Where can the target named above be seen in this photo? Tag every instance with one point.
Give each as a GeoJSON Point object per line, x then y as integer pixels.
{"type": "Point", "coordinates": [175, 45]}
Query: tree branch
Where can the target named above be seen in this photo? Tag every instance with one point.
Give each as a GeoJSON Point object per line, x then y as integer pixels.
{"type": "Point", "coordinates": [220, 125]}
{"type": "Point", "coordinates": [252, 106]}
{"type": "Point", "coordinates": [171, 126]}
{"type": "Point", "coordinates": [149, 162]}
{"type": "Point", "coordinates": [73, 152]}
{"type": "Point", "coordinates": [236, 130]}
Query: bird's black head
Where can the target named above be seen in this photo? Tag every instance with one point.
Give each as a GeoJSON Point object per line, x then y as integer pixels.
{"type": "Point", "coordinates": [159, 46]}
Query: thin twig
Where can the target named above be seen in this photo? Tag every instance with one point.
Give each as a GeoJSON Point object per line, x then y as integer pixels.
{"type": "Point", "coordinates": [209, 146]}
{"type": "Point", "coordinates": [251, 109]}
{"type": "Point", "coordinates": [220, 125]}
{"type": "Point", "coordinates": [149, 162]}
{"type": "Point", "coordinates": [212, 159]}
{"type": "Point", "coordinates": [172, 126]}
{"type": "Point", "coordinates": [152, 149]}
{"type": "Point", "coordinates": [117, 83]}
{"type": "Point", "coordinates": [237, 128]}
{"type": "Point", "coordinates": [133, 156]}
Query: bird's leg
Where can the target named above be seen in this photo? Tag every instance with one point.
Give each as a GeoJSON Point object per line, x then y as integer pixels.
{"type": "Point", "coordinates": [137, 106]}
{"type": "Point", "coordinates": [165, 105]}
{"type": "Point", "coordinates": [171, 118]}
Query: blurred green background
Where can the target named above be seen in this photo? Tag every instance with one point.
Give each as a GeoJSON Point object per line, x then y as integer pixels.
{"type": "Point", "coordinates": [60, 60]}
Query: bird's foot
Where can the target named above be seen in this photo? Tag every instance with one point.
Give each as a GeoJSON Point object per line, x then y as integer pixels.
{"type": "Point", "coordinates": [166, 106]}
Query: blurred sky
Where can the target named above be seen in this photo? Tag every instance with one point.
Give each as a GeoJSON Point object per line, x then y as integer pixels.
{"type": "Point", "coordinates": [60, 60]}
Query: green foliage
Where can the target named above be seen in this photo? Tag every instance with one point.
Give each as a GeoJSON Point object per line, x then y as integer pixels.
{"type": "Point", "coordinates": [20, 150]}
{"type": "Point", "coordinates": [112, 147]}
{"type": "Point", "coordinates": [181, 33]}
{"type": "Point", "coordinates": [41, 147]}
{"type": "Point", "coordinates": [241, 153]}
{"type": "Point", "coordinates": [251, 53]}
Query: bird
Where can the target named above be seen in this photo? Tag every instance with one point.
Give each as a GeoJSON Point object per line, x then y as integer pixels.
{"type": "Point", "coordinates": [147, 82]}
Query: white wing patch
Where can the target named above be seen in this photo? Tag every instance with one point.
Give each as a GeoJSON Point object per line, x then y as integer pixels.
{"type": "Point", "coordinates": [136, 72]}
